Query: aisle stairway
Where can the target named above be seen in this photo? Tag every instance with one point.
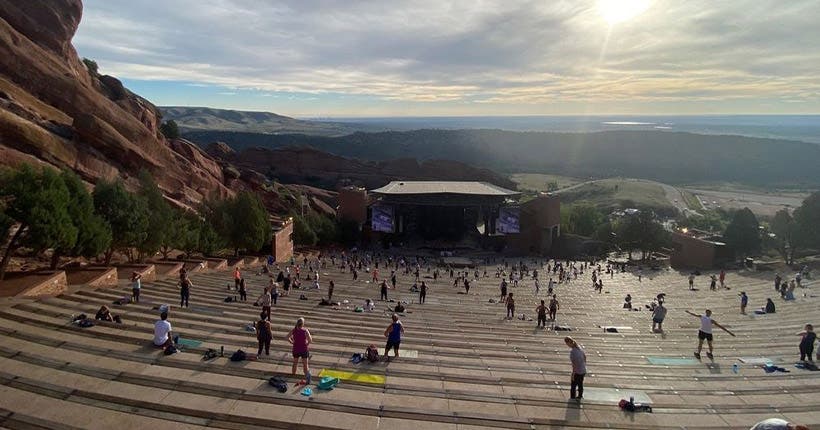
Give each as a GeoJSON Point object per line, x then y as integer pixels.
{"type": "Point", "coordinates": [473, 370]}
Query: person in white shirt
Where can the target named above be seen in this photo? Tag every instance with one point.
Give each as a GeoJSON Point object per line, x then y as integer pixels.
{"type": "Point", "coordinates": [163, 336]}
{"type": "Point", "coordinates": [705, 332]}
{"type": "Point", "coordinates": [777, 424]}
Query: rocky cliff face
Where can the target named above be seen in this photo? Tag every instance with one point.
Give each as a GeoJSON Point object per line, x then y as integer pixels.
{"type": "Point", "coordinates": [55, 112]}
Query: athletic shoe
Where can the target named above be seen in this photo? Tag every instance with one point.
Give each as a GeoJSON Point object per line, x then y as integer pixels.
{"type": "Point", "coordinates": [709, 354]}
{"type": "Point", "coordinates": [697, 355]}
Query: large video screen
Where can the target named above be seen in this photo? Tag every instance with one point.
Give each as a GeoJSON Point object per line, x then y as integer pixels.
{"type": "Point", "coordinates": [508, 220]}
{"type": "Point", "coordinates": [382, 219]}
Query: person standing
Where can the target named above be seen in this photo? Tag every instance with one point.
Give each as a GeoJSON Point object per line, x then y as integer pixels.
{"type": "Point", "coordinates": [136, 285]}
{"type": "Point", "coordinates": [807, 343]}
{"type": "Point", "coordinates": [553, 308]}
{"type": "Point", "coordinates": [503, 290]}
{"type": "Point", "coordinates": [243, 293]}
{"type": "Point", "coordinates": [422, 292]}
{"type": "Point", "coordinates": [579, 368]}
{"type": "Point", "coordinates": [466, 285]}
{"type": "Point", "coordinates": [541, 311]}
{"type": "Point", "coordinates": [264, 300]}
{"type": "Point", "coordinates": [705, 332]}
{"type": "Point", "coordinates": [383, 290]}
{"type": "Point", "coordinates": [744, 300]}
{"type": "Point", "coordinates": [393, 333]}
{"type": "Point", "coordinates": [691, 281]}
{"type": "Point", "coordinates": [330, 288]}
{"type": "Point", "coordinates": [237, 277]}
{"type": "Point", "coordinates": [722, 279]}
{"type": "Point", "coordinates": [658, 315]}
{"type": "Point", "coordinates": [185, 291]}
{"type": "Point", "coordinates": [300, 338]}
{"type": "Point", "coordinates": [510, 306]}
{"type": "Point", "coordinates": [264, 333]}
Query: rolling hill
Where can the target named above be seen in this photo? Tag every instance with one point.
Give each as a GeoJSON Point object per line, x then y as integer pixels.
{"type": "Point", "coordinates": [204, 118]}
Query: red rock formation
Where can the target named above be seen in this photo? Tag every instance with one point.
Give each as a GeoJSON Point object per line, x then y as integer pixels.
{"type": "Point", "coordinates": [55, 112]}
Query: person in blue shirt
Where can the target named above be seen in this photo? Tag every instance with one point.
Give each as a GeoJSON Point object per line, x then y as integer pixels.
{"type": "Point", "coordinates": [744, 300]}
{"type": "Point", "coordinates": [393, 334]}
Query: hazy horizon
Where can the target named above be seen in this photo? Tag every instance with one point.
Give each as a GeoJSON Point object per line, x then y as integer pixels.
{"type": "Point", "coordinates": [462, 58]}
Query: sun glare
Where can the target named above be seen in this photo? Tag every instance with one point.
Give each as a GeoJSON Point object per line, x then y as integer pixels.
{"type": "Point", "coordinates": [617, 11]}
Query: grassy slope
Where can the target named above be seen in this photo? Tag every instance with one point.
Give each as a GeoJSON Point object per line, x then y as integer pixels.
{"type": "Point", "coordinates": [611, 194]}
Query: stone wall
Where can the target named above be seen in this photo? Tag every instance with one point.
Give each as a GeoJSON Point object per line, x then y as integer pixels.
{"type": "Point", "coordinates": [282, 249]}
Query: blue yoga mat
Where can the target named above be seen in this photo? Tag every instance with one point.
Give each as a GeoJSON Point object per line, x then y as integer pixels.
{"type": "Point", "coordinates": [672, 361]}
{"type": "Point", "coordinates": [189, 342]}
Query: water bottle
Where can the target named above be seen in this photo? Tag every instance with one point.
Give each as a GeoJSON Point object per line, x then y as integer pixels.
{"type": "Point", "coordinates": [631, 400]}
{"type": "Point", "coordinates": [221, 351]}
{"type": "Point", "coordinates": [735, 367]}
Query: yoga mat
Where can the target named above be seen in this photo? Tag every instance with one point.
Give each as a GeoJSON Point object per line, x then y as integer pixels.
{"type": "Point", "coordinates": [617, 327]}
{"type": "Point", "coordinates": [672, 361]}
{"type": "Point", "coordinates": [353, 377]}
{"type": "Point", "coordinates": [612, 395]}
{"type": "Point", "coordinates": [206, 310]}
{"type": "Point", "coordinates": [189, 342]}
{"type": "Point", "coordinates": [755, 360]}
{"type": "Point", "coordinates": [403, 353]}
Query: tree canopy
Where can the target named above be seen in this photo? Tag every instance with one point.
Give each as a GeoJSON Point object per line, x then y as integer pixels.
{"type": "Point", "coordinates": [39, 201]}
{"type": "Point", "coordinates": [126, 214]}
{"type": "Point", "coordinates": [743, 233]}
{"type": "Point", "coordinates": [93, 233]}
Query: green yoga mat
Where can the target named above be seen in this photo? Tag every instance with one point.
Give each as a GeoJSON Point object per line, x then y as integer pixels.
{"type": "Point", "coordinates": [189, 342]}
{"type": "Point", "coordinates": [672, 361]}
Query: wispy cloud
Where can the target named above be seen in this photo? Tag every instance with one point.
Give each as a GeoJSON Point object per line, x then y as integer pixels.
{"type": "Point", "coordinates": [529, 54]}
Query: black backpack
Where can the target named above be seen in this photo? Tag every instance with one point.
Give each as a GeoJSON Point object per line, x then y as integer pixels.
{"type": "Point", "coordinates": [279, 383]}
{"type": "Point", "coordinates": [228, 299]}
{"type": "Point", "coordinates": [239, 355]}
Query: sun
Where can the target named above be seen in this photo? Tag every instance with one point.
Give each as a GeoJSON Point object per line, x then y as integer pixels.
{"type": "Point", "coordinates": [617, 11]}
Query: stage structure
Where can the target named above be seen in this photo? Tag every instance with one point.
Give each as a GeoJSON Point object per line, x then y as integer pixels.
{"type": "Point", "coordinates": [451, 214]}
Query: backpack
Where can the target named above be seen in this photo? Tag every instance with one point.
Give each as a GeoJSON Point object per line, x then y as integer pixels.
{"type": "Point", "coordinates": [171, 349]}
{"type": "Point", "coordinates": [279, 383]}
{"type": "Point", "coordinates": [228, 299]}
{"type": "Point", "coordinates": [372, 354]}
{"type": "Point", "coordinates": [302, 297]}
{"type": "Point", "coordinates": [210, 354]}
{"type": "Point", "coordinates": [85, 323]}
{"type": "Point", "coordinates": [239, 355]}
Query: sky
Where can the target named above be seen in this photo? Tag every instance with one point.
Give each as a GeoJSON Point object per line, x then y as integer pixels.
{"type": "Point", "coordinates": [324, 58]}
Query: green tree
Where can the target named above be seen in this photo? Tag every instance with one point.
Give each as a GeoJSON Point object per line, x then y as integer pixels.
{"type": "Point", "coordinates": [743, 233]}
{"type": "Point", "coordinates": [783, 227]}
{"type": "Point", "coordinates": [125, 213]}
{"type": "Point", "coordinates": [807, 222]}
{"type": "Point", "coordinates": [93, 233]}
{"type": "Point", "coordinates": [209, 242]}
{"type": "Point", "coordinates": [176, 235]}
{"type": "Point", "coordinates": [552, 186]}
{"type": "Point", "coordinates": [39, 201]}
{"type": "Point", "coordinates": [324, 228]}
{"type": "Point", "coordinates": [169, 129]}
{"type": "Point", "coordinates": [161, 218]}
{"type": "Point", "coordinates": [584, 219]}
{"type": "Point", "coordinates": [641, 232]}
{"type": "Point", "coordinates": [92, 66]}
{"type": "Point", "coordinates": [303, 234]}
{"type": "Point", "coordinates": [250, 223]}
{"type": "Point", "coordinates": [190, 229]}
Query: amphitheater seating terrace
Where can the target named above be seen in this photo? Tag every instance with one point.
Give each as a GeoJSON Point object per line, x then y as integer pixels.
{"type": "Point", "coordinates": [473, 368]}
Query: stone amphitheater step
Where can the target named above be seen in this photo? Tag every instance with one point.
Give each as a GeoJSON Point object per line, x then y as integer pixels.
{"type": "Point", "coordinates": [473, 367]}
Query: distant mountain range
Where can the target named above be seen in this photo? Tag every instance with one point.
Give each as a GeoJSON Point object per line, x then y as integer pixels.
{"type": "Point", "coordinates": [671, 157]}
{"type": "Point", "coordinates": [206, 119]}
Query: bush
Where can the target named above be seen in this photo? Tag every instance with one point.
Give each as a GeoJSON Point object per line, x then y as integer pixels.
{"type": "Point", "coordinates": [169, 129]}
{"type": "Point", "coordinates": [91, 65]}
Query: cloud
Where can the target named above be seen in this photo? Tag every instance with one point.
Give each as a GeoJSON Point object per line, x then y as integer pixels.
{"type": "Point", "coordinates": [489, 52]}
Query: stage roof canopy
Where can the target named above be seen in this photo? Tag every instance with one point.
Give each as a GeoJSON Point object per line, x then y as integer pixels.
{"type": "Point", "coordinates": [403, 188]}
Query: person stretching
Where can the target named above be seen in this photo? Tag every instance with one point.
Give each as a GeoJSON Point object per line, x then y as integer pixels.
{"type": "Point", "coordinates": [705, 332]}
